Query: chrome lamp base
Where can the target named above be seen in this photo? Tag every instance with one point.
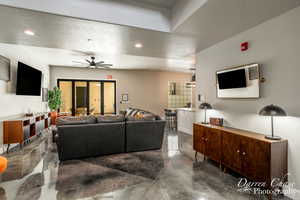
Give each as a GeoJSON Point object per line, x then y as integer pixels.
{"type": "Point", "coordinates": [272, 137]}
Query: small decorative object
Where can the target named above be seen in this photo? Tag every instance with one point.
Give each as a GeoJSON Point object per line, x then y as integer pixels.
{"type": "Point", "coordinates": [29, 113]}
{"type": "Point", "coordinates": [199, 97]}
{"type": "Point", "coordinates": [272, 110]}
{"type": "Point", "coordinates": [3, 164]}
{"type": "Point", "coordinates": [205, 106]}
{"type": "Point", "coordinates": [124, 97]}
{"type": "Point", "coordinates": [216, 121]}
{"type": "Point", "coordinates": [54, 103]}
{"type": "Point", "coordinates": [173, 88]}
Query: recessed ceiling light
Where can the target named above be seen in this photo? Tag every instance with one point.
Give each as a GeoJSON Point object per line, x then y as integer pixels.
{"type": "Point", "coordinates": [29, 32]}
{"type": "Point", "coordinates": [138, 45]}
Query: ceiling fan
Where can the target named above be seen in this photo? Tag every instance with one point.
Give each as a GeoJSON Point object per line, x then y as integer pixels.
{"type": "Point", "coordinates": [92, 64]}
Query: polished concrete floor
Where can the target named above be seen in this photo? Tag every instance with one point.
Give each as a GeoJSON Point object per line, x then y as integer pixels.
{"type": "Point", "coordinates": [171, 173]}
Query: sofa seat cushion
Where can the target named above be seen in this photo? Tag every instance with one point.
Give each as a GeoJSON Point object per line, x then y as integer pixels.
{"type": "Point", "coordinates": [110, 118]}
{"type": "Point", "coordinates": [76, 120]}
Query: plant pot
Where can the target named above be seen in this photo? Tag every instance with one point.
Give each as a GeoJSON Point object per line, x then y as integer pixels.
{"type": "Point", "coordinates": [53, 117]}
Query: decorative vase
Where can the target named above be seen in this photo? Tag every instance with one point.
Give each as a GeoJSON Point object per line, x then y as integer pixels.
{"type": "Point", "coordinates": [53, 117]}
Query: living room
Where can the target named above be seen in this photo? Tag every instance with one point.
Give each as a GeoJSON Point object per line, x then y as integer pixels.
{"type": "Point", "coordinates": [119, 68]}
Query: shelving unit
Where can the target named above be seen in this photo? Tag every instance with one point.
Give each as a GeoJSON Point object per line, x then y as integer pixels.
{"type": "Point", "coordinates": [21, 130]}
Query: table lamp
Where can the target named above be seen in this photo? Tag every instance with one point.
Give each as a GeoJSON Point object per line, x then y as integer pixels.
{"type": "Point", "coordinates": [205, 106]}
{"type": "Point", "coordinates": [273, 111]}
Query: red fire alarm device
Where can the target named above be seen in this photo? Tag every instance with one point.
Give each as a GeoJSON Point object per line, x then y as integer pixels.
{"type": "Point", "coordinates": [109, 76]}
{"type": "Point", "coordinates": [244, 46]}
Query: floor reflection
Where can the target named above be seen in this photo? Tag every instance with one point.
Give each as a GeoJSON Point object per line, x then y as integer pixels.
{"type": "Point", "coordinates": [173, 147]}
{"type": "Point", "coordinates": [170, 173]}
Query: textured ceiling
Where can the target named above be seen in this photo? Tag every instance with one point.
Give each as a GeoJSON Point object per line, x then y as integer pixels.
{"type": "Point", "coordinates": [159, 3]}
{"type": "Point", "coordinates": [55, 31]}
{"type": "Point", "coordinates": [212, 23]}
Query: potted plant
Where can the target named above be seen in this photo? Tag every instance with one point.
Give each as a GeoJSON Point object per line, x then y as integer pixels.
{"type": "Point", "coordinates": [54, 103]}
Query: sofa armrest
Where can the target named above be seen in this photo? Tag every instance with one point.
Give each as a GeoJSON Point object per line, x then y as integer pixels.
{"type": "Point", "coordinates": [144, 135]}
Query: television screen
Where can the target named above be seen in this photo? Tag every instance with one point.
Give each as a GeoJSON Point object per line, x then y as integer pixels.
{"type": "Point", "coordinates": [232, 79]}
{"type": "Point", "coordinates": [28, 80]}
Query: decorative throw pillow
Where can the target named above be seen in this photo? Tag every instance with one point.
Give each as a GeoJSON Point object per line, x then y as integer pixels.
{"type": "Point", "coordinates": [134, 112]}
{"type": "Point", "coordinates": [128, 112]}
{"type": "Point", "coordinates": [139, 115]}
{"type": "Point", "coordinates": [142, 116]}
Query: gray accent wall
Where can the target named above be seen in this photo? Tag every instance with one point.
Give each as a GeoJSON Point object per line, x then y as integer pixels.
{"type": "Point", "coordinates": [275, 45]}
{"type": "Point", "coordinates": [147, 90]}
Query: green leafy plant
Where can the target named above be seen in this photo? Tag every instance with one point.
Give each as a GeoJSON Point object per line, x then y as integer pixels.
{"type": "Point", "coordinates": [54, 99]}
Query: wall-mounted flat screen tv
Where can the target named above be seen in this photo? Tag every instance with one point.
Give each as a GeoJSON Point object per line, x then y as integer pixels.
{"type": "Point", "coordinates": [29, 80]}
{"type": "Point", "coordinates": [232, 79]}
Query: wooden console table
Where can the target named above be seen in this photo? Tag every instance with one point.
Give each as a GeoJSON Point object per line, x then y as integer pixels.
{"type": "Point", "coordinates": [22, 129]}
{"type": "Point", "coordinates": [245, 152]}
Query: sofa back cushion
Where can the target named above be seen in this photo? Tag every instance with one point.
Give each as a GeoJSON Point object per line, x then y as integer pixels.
{"type": "Point", "coordinates": [110, 118]}
{"type": "Point", "coordinates": [76, 120]}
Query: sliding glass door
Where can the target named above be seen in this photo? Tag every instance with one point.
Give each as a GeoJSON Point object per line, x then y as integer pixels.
{"type": "Point", "coordinates": [109, 97]}
{"type": "Point", "coordinates": [95, 98]}
{"type": "Point", "coordinates": [67, 105]}
{"type": "Point", "coordinates": [81, 98]}
{"type": "Point", "coordinates": [87, 97]}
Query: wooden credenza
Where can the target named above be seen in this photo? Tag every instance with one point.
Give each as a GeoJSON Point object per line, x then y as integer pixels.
{"type": "Point", "coordinates": [245, 152]}
{"type": "Point", "coordinates": [21, 130]}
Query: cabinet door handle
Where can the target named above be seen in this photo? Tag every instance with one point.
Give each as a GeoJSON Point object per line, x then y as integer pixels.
{"type": "Point", "coordinates": [238, 151]}
{"type": "Point", "coordinates": [244, 153]}
{"type": "Point", "coordinates": [202, 138]}
{"type": "Point", "coordinates": [206, 139]}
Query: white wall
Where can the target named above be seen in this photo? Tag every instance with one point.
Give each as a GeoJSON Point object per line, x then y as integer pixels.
{"type": "Point", "coordinates": [275, 45]}
{"type": "Point", "coordinates": [147, 90]}
{"type": "Point", "coordinates": [12, 105]}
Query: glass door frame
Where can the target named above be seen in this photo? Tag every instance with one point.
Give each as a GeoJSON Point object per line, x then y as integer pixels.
{"type": "Point", "coordinates": [88, 93]}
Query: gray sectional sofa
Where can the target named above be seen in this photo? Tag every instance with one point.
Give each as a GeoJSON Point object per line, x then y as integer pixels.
{"type": "Point", "coordinates": [133, 130]}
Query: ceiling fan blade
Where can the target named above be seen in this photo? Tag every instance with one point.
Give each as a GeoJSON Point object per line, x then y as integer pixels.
{"type": "Point", "coordinates": [105, 65]}
{"type": "Point", "coordinates": [100, 62]}
{"type": "Point", "coordinates": [88, 61]}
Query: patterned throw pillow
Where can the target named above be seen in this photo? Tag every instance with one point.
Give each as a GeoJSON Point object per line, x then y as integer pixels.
{"type": "Point", "coordinates": [142, 116]}
{"type": "Point", "coordinates": [134, 112]}
{"type": "Point", "coordinates": [128, 112]}
{"type": "Point", "coordinates": [139, 115]}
